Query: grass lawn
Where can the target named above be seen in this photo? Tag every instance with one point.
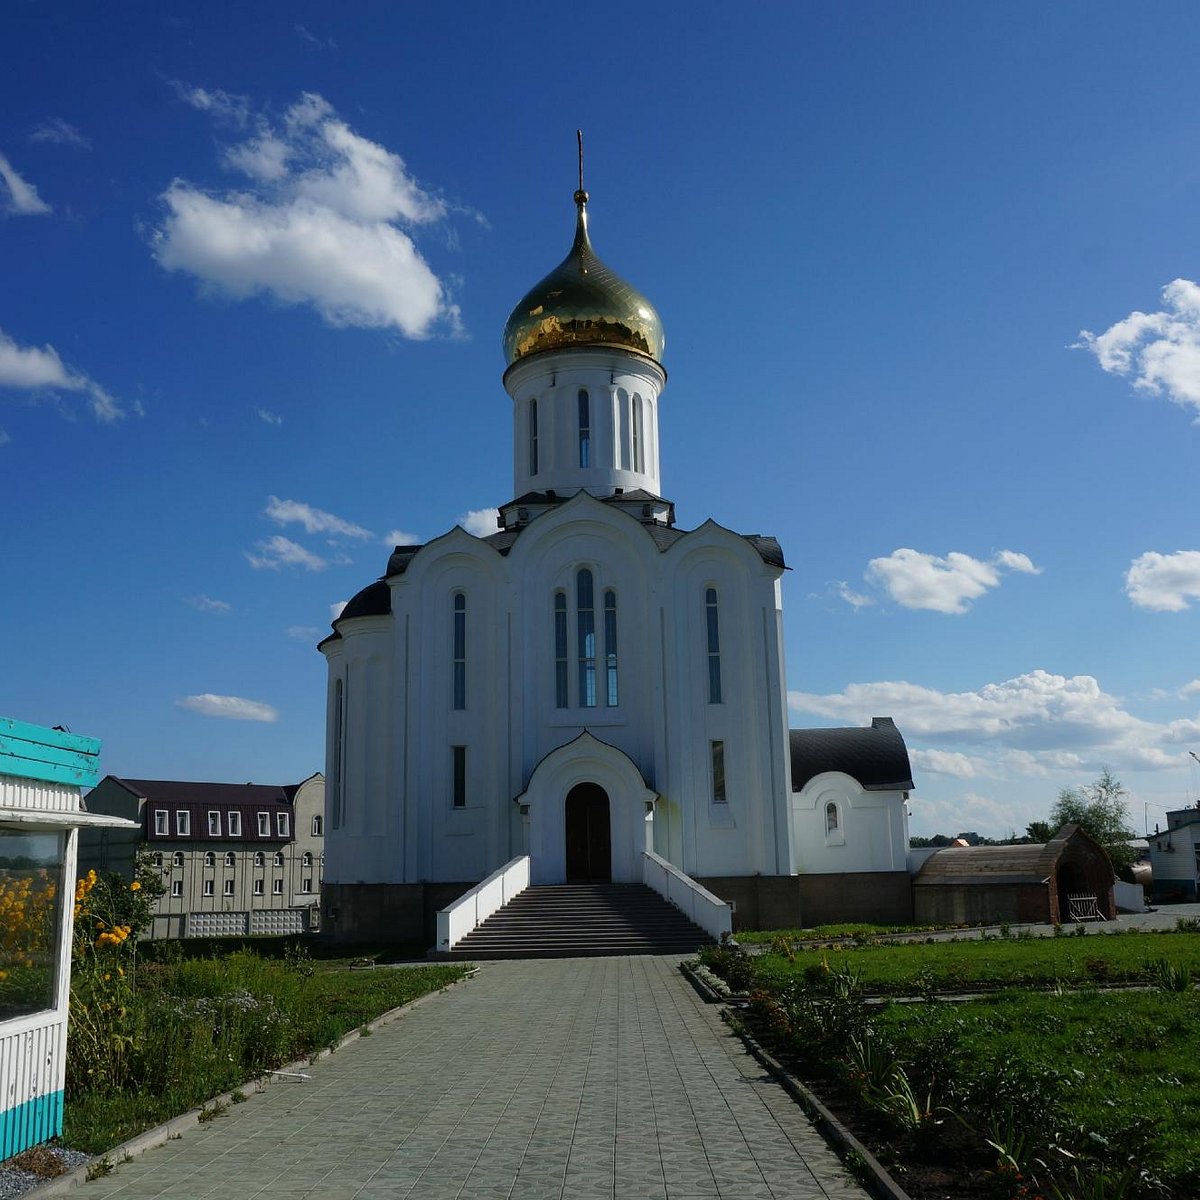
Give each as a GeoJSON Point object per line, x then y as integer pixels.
{"type": "Point", "coordinates": [997, 962]}
{"type": "Point", "coordinates": [192, 1029]}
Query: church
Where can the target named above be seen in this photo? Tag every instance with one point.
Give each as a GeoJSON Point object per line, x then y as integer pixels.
{"type": "Point", "coordinates": [593, 680]}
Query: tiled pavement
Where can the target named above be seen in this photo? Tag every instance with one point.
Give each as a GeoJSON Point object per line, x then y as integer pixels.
{"type": "Point", "coordinates": [546, 1080]}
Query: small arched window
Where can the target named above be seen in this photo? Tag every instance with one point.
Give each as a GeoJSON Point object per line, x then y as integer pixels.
{"type": "Point", "coordinates": [230, 859]}
{"type": "Point", "coordinates": [260, 859]}
{"type": "Point", "coordinates": [177, 858]}
{"type": "Point", "coordinates": [586, 637]}
{"type": "Point", "coordinates": [560, 650]}
{"type": "Point", "coordinates": [157, 860]}
{"type": "Point", "coordinates": [210, 859]}
{"type": "Point", "coordinates": [279, 858]}
{"type": "Point", "coordinates": [533, 437]}
{"type": "Point", "coordinates": [713, 629]}
{"type": "Point", "coordinates": [639, 450]}
{"type": "Point", "coordinates": [831, 818]}
{"type": "Point", "coordinates": [585, 429]}
{"type": "Point", "coordinates": [610, 647]}
{"type": "Point", "coordinates": [306, 859]}
{"type": "Point", "coordinates": [460, 651]}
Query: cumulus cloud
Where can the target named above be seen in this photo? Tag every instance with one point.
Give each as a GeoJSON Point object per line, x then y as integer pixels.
{"type": "Point", "coordinates": [326, 221]}
{"type": "Point", "coordinates": [208, 604]}
{"type": "Point", "coordinates": [1164, 582]}
{"type": "Point", "coordinates": [233, 708]}
{"type": "Point", "coordinates": [275, 552]}
{"type": "Point", "coordinates": [40, 369]}
{"type": "Point", "coordinates": [480, 522]}
{"type": "Point", "coordinates": [947, 762]}
{"type": "Point", "coordinates": [1158, 351]}
{"type": "Point", "coordinates": [314, 520]}
{"type": "Point", "coordinates": [401, 537]}
{"type": "Point", "coordinates": [267, 417]}
{"type": "Point", "coordinates": [22, 199]}
{"type": "Point", "coordinates": [1034, 723]}
{"type": "Point", "coordinates": [946, 585]}
{"type": "Point", "coordinates": [1190, 689]}
{"type": "Point", "coordinates": [61, 133]}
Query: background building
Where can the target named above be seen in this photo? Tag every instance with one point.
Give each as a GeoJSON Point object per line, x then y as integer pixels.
{"type": "Point", "coordinates": [1175, 856]}
{"type": "Point", "coordinates": [235, 858]}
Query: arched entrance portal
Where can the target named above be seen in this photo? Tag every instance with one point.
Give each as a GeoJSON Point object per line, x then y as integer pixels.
{"type": "Point", "coordinates": [589, 842]}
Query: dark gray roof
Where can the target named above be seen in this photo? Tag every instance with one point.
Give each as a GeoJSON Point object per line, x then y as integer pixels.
{"type": "Point", "coordinates": [876, 756]}
{"type": "Point", "coordinates": [375, 600]}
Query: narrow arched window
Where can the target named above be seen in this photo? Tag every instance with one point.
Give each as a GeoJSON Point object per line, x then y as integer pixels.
{"type": "Point", "coordinates": [714, 646]}
{"type": "Point", "coordinates": [560, 650]}
{"type": "Point", "coordinates": [585, 429]}
{"type": "Point", "coordinates": [533, 438]}
{"type": "Point", "coordinates": [337, 783]}
{"type": "Point", "coordinates": [623, 427]}
{"type": "Point", "coordinates": [717, 757]}
{"type": "Point", "coordinates": [306, 859]}
{"type": "Point", "coordinates": [639, 452]}
{"type": "Point", "coordinates": [586, 638]}
{"type": "Point", "coordinates": [210, 859]}
{"type": "Point", "coordinates": [230, 859]}
{"type": "Point", "coordinates": [460, 650]}
{"type": "Point", "coordinates": [831, 818]}
{"type": "Point", "coordinates": [610, 647]}
{"type": "Point", "coordinates": [260, 859]}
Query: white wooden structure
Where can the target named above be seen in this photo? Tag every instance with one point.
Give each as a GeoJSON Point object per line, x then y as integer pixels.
{"type": "Point", "coordinates": [42, 774]}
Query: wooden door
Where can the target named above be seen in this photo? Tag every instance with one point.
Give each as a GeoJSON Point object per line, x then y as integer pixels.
{"type": "Point", "coordinates": [589, 844]}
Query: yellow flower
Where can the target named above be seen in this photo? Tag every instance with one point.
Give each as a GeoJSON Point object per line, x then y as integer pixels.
{"type": "Point", "coordinates": [135, 886]}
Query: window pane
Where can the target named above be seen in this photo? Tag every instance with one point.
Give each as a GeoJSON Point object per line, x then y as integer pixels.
{"type": "Point", "coordinates": [585, 430]}
{"type": "Point", "coordinates": [533, 437]}
{"type": "Point", "coordinates": [610, 647]}
{"type": "Point", "coordinates": [460, 776]}
{"type": "Point", "coordinates": [30, 896]}
{"type": "Point", "coordinates": [586, 639]}
{"type": "Point", "coordinates": [639, 458]}
{"type": "Point", "coordinates": [714, 646]}
{"type": "Point", "coordinates": [560, 650]}
{"type": "Point", "coordinates": [718, 772]}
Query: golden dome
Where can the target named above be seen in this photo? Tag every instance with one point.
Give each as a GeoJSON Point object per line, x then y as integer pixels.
{"type": "Point", "coordinates": [582, 303]}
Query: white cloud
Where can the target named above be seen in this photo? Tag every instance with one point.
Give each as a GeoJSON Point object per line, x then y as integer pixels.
{"type": "Point", "coordinates": [22, 199]}
{"type": "Point", "coordinates": [947, 762]}
{"type": "Point", "coordinates": [851, 597]}
{"type": "Point", "coordinates": [208, 604]}
{"type": "Point", "coordinates": [267, 417]}
{"type": "Point", "coordinates": [1159, 351]}
{"type": "Point", "coordinates": [1035, 723]}
{"type": "Point", "coordinates": [323, 223]}
{"type": "Point", "coordinates": [1190, 689]}
{"type": "Point", "coordinates": [5, 438]}
{"type": "Point", "coordinates": [304, 633]}
{"type": "Point", "coordinates": [314, 520]}
{"type": "Point", "coordinates": [224, 105]}
{"type": "Point", "coordinates": [61, 133]}
{"type": "Point", "coordinates": [278, 551]}
{"type": "Point", "coordinates": [1164, 582]}
{"type": "Point", "coordinates": [234, 708]}
{"type": "Point", "coordinates": [336, 609]}
{"type": "Point", "coordinates": [480, 522]}
{"type": "Point", "coordinates": [947, 585]}
{"type": "Point", "coordinates": [401, 537]}
{"type": "Point", "coordinates": [312, 39]}
{"type": "Point", "coordinates": [30, 368]}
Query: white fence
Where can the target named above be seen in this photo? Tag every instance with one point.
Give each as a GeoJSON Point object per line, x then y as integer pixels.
{"type": "Point", "coordinates": [713, 915]}
{"type": "Point", "coordinates": [473, 908]}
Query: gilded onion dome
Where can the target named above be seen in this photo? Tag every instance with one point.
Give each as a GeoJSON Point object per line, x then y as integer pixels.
{"type": "Point", "coordinates": [582, 303]}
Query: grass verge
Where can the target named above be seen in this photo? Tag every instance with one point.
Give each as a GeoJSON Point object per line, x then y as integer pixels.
{"type": "Point", "coordinates": [193, 1029]}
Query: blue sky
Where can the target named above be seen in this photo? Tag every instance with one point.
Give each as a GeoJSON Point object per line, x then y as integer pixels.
{"type": "Point", "coordinates": [926, 276]}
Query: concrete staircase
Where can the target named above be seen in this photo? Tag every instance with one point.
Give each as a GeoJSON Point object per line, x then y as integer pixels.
{"type": "Point", "coordinates": [582, 920]}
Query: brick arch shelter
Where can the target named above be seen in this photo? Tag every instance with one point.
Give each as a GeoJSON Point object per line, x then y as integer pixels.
{"type": "Point", "coordinates": [971, 885]}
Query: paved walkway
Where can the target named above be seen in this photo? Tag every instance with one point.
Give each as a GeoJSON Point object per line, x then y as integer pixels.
{"type": "Point", "coordinates": [546, 1080]}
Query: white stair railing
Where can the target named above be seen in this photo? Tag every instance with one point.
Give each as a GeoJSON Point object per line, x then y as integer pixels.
{"type": "Point", "coordinates": [474, 907]}
{"type": "Point", "coordinates": [710, 912]}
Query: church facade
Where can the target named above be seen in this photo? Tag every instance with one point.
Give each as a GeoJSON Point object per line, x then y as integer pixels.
{"type": "Point", "coordinates": [591, 680]}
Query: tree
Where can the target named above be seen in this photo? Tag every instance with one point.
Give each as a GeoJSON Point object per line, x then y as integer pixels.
{"type": "Point", "coordinates": [1099, 809]}
{"type": "Point", "coordinates": [1040, 831]}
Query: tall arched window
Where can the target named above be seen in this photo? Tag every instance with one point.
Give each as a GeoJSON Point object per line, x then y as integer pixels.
{"type": "Point", "coordinates": [337, 781]}
{"type": "Point", "coordinates": [460, 650]}
{"type": "Point", "coordinates": [714, 646]}
{"type": "Point", "coordinates": [610, 647]}
{"type": "Point", "coordinates": [623, 428]}
{"type": "Point", "coordinates": [586, 638]}
{"type": "Point", "coordinates": [639, 452]}
{"type": "Point", "coordinates": [230, 859]}
{"type": "Point", "coordinates": [585, 429]}
{"type": "Point", "coordinates": [560, 650]}
{"type": "Point", "coordinates": [210, 859]}
{"type": "Point", "coordinates": [533, 438]}
{"type": "Point", "coordinates": [831, 818]}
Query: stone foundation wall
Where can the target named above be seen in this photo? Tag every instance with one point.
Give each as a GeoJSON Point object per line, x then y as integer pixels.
{"type": "Point", "coordinates": [355, 913]}
{"type": "Point", "coordinates": [798, 901]}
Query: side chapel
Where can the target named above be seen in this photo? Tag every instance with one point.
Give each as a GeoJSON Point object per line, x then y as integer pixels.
{"type": "Point", "coordinates": [592, 680]}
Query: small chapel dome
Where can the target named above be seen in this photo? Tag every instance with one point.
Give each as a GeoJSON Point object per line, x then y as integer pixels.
{"type": "Point", "coordinates": [582, 303]}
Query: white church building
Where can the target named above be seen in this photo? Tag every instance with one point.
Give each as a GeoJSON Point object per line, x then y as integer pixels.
{"type": "Point", "coordinates": [592, 680]}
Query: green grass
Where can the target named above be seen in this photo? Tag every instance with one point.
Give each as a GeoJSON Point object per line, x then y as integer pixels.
{"type": "Point", "coordinates": [1120, 1069]}
{"type": "Point", "coordinates": [830, 932]}
{"type": "Point", "coordinates": [195, 1028]}
{"type": "Point", "coordinates": [968, 964]}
